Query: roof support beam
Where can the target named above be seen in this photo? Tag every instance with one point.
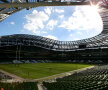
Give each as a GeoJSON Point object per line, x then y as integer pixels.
{"type": "Point", "coordinates": [26, 5]}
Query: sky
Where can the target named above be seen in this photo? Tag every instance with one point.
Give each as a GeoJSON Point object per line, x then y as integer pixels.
{"type": "Point", "coordinates": [63, 23]}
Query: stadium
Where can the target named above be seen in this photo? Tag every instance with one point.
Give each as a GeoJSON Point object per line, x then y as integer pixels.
{"type": "Point", "coordinates": [23, 47]}
{"type": "Point", "coordinates": [31, 46]}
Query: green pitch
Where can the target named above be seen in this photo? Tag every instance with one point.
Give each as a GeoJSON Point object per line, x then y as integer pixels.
{"type": "Point", "coordinates": [39, 70]}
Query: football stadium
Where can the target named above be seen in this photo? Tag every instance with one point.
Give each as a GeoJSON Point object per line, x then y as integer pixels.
{"type": "Point", "coordinates": [32, 62]}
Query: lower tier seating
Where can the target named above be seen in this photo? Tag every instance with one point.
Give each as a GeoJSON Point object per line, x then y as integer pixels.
{"type": "Point", "coordinates": [90, 79]}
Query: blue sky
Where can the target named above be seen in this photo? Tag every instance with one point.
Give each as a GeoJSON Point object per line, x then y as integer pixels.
{"type": "Point", "coordinates": [66, 23]}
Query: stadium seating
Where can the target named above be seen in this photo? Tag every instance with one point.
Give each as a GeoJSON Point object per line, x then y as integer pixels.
{"type": "Point", "coordinates": [19, 86]}
{"type": "Point", "coordinates": [3, 76]}
{"type": "Point", "coordinates": [91, 79]}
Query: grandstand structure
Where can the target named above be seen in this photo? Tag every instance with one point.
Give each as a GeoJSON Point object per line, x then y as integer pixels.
{"type": "Point", "coordinates": [91, 79]}
{"type": "Point", "coordinates": [23, 46]}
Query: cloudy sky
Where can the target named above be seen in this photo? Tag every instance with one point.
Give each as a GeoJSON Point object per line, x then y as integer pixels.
{"type": "Point", "coordinates": [59, 23]}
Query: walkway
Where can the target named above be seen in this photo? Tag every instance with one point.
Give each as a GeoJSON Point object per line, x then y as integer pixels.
{"type": "Point", "coordinates": [15, 78]}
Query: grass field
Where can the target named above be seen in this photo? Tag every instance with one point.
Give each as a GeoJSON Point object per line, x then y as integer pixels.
{"type": "Point", "coordinates": [39, 70]}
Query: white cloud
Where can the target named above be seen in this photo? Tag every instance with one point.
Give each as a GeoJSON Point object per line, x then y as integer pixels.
{"type": "Point", "coordinates": [51, 37]}
{"type": "Point", "coordinates": [35, 21]}
{"type": "Point", "coordinates": [12, 23]}
{"type": "Point", "coordinates": [51, 24]}
{"type": "Point", "coordinates": [61, 16]}
{"type": "Point", "coordinates": [80, 33]}
{"type": "Point", "coordinates": [76, 39]}
{"type": "Point", "coordinates": [59, 10]}
{"type": "Point", "coordinates": [45, 22]}
{"type": "Point", "coordinates": [85, 18]}
{"type": "Point", "coordinates": [71, 35]}
{"type": "Point", "coordinates": [48, 10]}
{"type": "Point", "coordinates": [44, 32]}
